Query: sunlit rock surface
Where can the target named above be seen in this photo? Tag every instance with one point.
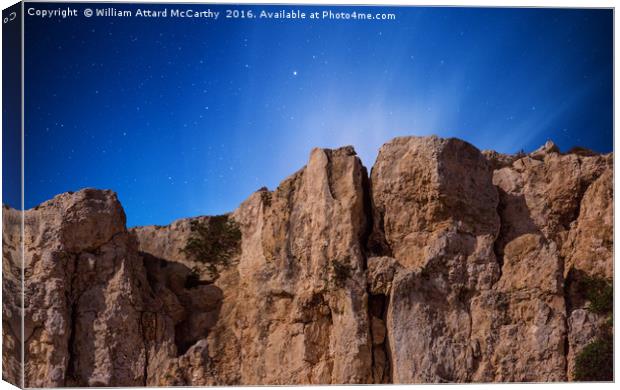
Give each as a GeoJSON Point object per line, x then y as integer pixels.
{"type": "Point", "coordinates": [445, 264]}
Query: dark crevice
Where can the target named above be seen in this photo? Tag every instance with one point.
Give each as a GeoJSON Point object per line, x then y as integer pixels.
{"type": "Point", "coordinates": [367, 199]}
{"type": "Point", "coordinates": [568, 308]}
{"type": "Point", "coordinates": [498, 249]}
{"type": "Point", "coordinates": [191, 294]}
{"type": "Point", "coordinates": [581, 191]}
{"type": "Point", "coordinates": [286, 191]}
{"type": "Point", "coordinates": [374, 244]}
{"type": "Point", "coordinates": [146, 353]}
{"type": "Point", "coordinates": [381, 364]}
{"type": "Point", "coordinates": [71, 369]}
{"type": "Point", "coordinates": [377, 244]}
{"type": "Point", "coordinates": [73, 299]}
{"type": "Point", "coordinates": [572, 299]}
{"type": "Point", "coordinates": [328, 171]}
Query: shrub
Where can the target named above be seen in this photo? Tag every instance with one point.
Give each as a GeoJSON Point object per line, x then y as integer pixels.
{"type": "Point", "coordinates": [600, 293]}
{"type": "Point", "coordinates": [580, 151]}
{"type": "Point", "coordinates": [340, 273]}
{"type": "Point", "coordinates": [265, 196]}
{"type": "Point", "coordinates": [193, 279]}
{"type": "Point", "coordinates": [213, 241]}
{"type": "Point", "coordinates": [596, 361]}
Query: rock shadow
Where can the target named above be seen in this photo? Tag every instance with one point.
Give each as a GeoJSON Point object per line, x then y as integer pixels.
{"type": "Point", "coordinates": [192, 303]}
{"type": "Point", "coordinates": [512, 208]}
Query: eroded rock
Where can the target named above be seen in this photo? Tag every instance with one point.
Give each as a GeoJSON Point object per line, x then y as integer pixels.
{"type": "Point", "coordinates": [446, 265]}
{"type": "Point", "coordinates": [435, 202]}
{"type": "Point", "coordinates": [83, 289]}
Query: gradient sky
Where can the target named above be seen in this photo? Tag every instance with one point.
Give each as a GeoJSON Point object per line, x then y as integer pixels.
{"type": "Point", "coordinates": [189, 117]}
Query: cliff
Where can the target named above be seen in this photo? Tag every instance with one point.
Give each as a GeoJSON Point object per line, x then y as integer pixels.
{"type": "Point", "coordinates": [445, 264]}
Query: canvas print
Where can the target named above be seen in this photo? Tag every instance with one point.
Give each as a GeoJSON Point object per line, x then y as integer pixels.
{"type": "Point", "coordinates": [219, 194]}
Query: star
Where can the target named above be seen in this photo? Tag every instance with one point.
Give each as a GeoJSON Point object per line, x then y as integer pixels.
{"type": "Point", "coordinates": [294, 73]}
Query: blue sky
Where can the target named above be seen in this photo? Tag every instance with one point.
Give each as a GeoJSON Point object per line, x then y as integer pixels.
{"type": "Point", "coordinates": [189, 117]}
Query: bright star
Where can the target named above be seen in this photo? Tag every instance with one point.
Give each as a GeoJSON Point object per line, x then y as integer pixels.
{"type": "Point", "coordinates": [294, 73]}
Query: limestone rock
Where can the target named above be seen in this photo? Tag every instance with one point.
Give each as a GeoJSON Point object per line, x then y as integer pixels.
{"type": "Point", "coordinates": [82, 294]}
{"type": "Point", "coordinates": [293, 300]}
{"type": "Point", "coordinates": [543, 196]}
{"type": "Point", "coordinates": [435, 202]}
{"type": "Point", "coordinates": [583, 327]}
{"type": "Point", "coordinates": [302, 307]}
{"type": "Point", "coordinates": [589, 245]}
{"type": "Point", "coordinates": [168, 242]}
{"type": "Point", "coordinates": [11, 296]}
{"type": "Point", "coordinates": [523, 340]}
{"type": "Point", "coordinates": [530, 262]}
{"type": "Point", "coordinates": [568, 200]}
{"type": "Point", "coordinates": [588, 253]}
{"type": "Point", "coordinates": [447, 264]}
{"type": "Point", "coordinates": [548, 148]}
{"type": "Point", "coordinates": [381, 272]}
{"type": "Point", "coordinates": [190, 309]}
{"type": "Point", "coordinates": [422, 185]}
{"type": "Point", "coordinates": [499, 160]}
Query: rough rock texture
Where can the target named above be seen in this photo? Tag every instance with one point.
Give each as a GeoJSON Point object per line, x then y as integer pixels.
{"type": "Point", "coordinates": [190, 313]}
{"type": "Point", "coordinates": [447, 265]}
{"type": "Point", "coordinates": [588, 252]}
{"type": "Point", "coordinates": [294, 302]}
{"type": "Point", "coordinates": [523, 319]}
{"type": "Point", "coordinates": [589, 242]}
{"type": "Point", "coordinates": [83, 286]}
{"type": "Point", "coordinates": [435, 204]}
{"type": "Point", "coordinates": [303, 304]}
{"type": "Point", "coordinates": [568, 200]}
{"type": "Point", "coordinates": [11, 296]}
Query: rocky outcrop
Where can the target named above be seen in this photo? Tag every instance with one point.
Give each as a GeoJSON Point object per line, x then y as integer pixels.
{"type": "Point", "coordinates": [588, 253]}
{"type": "Point", "coordinates": [83, 294]}
{"type": "Point", "coordinates": [568, 201]}
{"type": "Point", "coordinates": [447, 264]}
{"type": "Point", "coordinates": [303, 302]}
{"type": "Point", "coordinates": [435, 205]}
{"type": "Point", "coordinates": [294, 302]}
{"type": "Point", "coordinates": [11, 296]}
{"type": "Point", "coordinates": [186, 305]}
{"type": "Point", "coordinates": [521, 323]}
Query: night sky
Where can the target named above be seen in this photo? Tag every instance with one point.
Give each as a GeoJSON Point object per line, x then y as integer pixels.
{"type": "Point", "coordinates": [189, 117]}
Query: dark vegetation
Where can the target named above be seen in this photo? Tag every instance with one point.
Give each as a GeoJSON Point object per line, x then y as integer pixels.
{"type": "Point", "coordinates": [596, 361]}
{"type": "Point", "coordinates": [265, 196]}
{"type": "Point", "coordinates": [213, 241]}
{"type": "Point", "coordinates": [580, 151]}
{"type": "Point", "coordinates": [193, 279]}
{"type": "Point", "coordinates": [600, 293]}
{"type": "Point", "coordinates": [340, 273]}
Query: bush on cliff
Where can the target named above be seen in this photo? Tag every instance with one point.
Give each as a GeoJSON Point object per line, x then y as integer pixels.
{"type": "Point", "coordinates": [213, 241]}
{"type": "Point", "coordinates": [596, 361]}
{"type": "Point", "coordinates": [600, 293]}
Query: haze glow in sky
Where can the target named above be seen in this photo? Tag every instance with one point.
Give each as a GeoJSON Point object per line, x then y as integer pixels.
{"type": "Point", "coordinates": [189, 118]}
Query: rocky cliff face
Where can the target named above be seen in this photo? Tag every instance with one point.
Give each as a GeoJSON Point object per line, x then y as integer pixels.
{"type": "Point", "coordinates": [446, 264]}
